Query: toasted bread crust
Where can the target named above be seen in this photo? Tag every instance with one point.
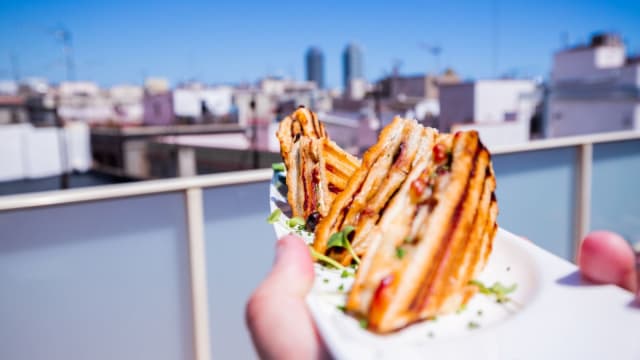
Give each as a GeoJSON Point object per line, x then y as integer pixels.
{"type": "Point", "coordinates": [317, 168]}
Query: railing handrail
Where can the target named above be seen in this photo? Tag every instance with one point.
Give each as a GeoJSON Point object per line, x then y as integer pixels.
{"type": "Point", "coordinates": [55, 197]}
{"type": "Point", "coordinates": [113, 191]}
{"type": "Point", "coordinates": [567, 141]}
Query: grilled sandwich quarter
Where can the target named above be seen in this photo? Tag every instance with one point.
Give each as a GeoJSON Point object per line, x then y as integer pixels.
{"type": "Point", "coordinates": [317, 168]}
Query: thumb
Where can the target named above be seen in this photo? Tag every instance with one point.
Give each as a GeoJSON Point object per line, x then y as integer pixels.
{"type": "Point", "coordinates": [292, 272]}
{"type": "Point", "coordinates": [280, 323]}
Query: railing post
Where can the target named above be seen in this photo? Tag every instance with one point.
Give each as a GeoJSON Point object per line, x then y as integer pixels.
{"type": "Point", "coordinates": [198, 273]}
{"type": "Point", "coordinates": [583, 195]}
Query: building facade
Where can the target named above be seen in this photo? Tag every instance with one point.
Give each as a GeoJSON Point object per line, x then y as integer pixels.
{"type": "Point", "coordinates": [314, 62]}
{"type": "Point", "coordinates": [594, 88]}
{"type": "Point", "coordinates": [500, 110]}
{"type": "Point", "coordinates": [352, 64]}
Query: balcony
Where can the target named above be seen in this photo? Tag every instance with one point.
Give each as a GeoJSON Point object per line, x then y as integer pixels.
{"type": "Point", "coordinates": [162, 269]}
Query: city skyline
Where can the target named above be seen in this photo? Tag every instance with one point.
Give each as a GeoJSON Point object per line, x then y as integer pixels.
{"type": "Point", "coordinates": [123, 42]}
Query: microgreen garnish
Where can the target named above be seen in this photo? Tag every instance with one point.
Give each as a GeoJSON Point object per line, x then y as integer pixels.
{"type": "Point", "coordinates": [400, 252]}
{"type": "Point", "coordinates": [341, 240]}
{"type": "Point", "coordinates": [341, 287]}
{"type": "Point", "coordinates": [345, 274]}
{"type": "Point", "coordinates": [364, 323]}
{"type": "Point", "coordinates": [497, 289]}
{"type": "Point", "coordinates": [341, 308]}
{"type": "Point", "coordinates": [479, 312]}
{"type": "Point", "coordinates": [430, 334]}
{"type": "Point", "coordinates": [508, 268]}
{"type": "Point", "coordinates": [296, 223]}
{"type": "Point", "coordinates": [325, 280]}
{"type": "Point", "coordinates": [462, 308]}
{"type": "Point", "coordinates": [278, 166]}
{"type": "Point", "coordinates": [327, 260]}
{"type": "Point", "coordinates": [408, 240]}
{"type": "Point", "coordinates": [275, 215]}
{"type": "Point", "coordinates": [473, 325]}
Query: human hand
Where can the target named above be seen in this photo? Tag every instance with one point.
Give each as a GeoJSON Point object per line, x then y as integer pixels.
{"type": "Point", "coordinates": [605, 257]}
{"type": "Point", "coordinates": [277, 315]}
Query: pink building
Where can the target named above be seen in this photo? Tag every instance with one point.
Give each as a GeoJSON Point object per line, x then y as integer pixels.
{"type": "Point", "coordinates": [158, 109]}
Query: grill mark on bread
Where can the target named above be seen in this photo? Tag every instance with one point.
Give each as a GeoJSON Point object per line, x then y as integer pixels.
{"type": "Point", "coordinates": [481, 223]}
{"type": "Point", "coordinates": [314, 183]}
{"type": "Point", "coordinates": [314, 123]}
{"type": "Point", "coordinates": [428, 285]}
{"type": "Point", "coordinates": [303, 175]}
{"type": "Point", "coordinates": [334, 189]}
{"type": "Point", "coordinates": [380, 195]}
{"type": "Point", "coordinates": [445, 293]}
{"type": "Point", "coordinates": [338, 215]}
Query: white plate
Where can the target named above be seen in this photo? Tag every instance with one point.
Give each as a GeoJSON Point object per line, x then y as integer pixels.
{"type": "Point", "coordinates": [552, 313]}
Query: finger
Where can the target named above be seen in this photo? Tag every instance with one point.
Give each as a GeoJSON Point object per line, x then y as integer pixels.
{"type": "Point", "coordinates": [277, 315]}
{"type": "Point", "coordinates": [605, 257]}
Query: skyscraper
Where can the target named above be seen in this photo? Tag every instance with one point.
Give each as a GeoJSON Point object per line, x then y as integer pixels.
{"type": "Point", "coordinates": [351, 63]}
{"type": "Point", "coordinates": [315, 66]}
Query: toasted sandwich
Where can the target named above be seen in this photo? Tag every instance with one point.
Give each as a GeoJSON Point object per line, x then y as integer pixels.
{"type": "Point", "coordinates": [424, 212]}
{"type": "Point", "coordinates": [433, 238]}
{"type": "Point", "coordinates": [317, 168]}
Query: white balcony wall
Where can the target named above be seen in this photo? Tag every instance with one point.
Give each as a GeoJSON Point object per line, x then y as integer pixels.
{"type": "Point", "coordinates": [100, 280]}
{"type": "Point", "coordinates": [240, 250]}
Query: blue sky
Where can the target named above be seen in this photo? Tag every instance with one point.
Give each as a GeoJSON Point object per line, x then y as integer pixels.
{"type": "Point", "coordinates": [232, 41]}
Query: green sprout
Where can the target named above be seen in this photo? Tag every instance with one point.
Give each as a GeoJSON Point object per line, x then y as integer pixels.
{"type": "Point", "coordinates": [341, 240]}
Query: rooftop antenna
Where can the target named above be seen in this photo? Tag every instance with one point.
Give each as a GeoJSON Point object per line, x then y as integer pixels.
{"type": "Point", "coordinates": [495, 36]}
{"type": "Point", "coordinates": [15, 66]}
{"type": "Point", "coordinates": [395, 69]}
{"type": "Point", "coordinates": [63, 35]}
{"type": "Point", "coordinates": [433, 50]}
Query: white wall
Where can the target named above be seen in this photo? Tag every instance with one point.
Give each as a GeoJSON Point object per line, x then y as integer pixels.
{"type": "Point", "coordinates": [188, 102]}
{"type": "Point", "coordinates": [42, 153]}
{"type": "Point", "coordinates": [566, 117]}
{"type": "Point", "coordinates": [495, 98]}
{"type": "Point", "coordinates": [493, 135]}
{"type": "Point", "coordinates": [27, 152]}
{"type": "Point", "coordinates": [78, 146]}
